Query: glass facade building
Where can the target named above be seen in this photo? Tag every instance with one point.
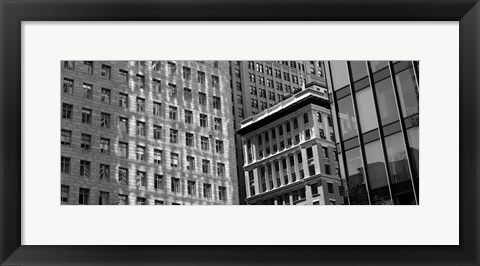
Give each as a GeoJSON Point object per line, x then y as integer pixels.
{"type": "Point", "coordinates": [376, 107]}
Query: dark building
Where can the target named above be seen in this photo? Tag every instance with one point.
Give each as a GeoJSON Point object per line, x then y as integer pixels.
{"type": "Point", "coordinates": [376, 107]}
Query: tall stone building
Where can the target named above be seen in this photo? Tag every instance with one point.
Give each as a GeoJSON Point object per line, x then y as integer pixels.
{"type": "Point", "coordinates": [147, 132]}
{"type": "Point", "coordinates": [289, 159]}
{"type": "Point", "coordinates": [258, 85]}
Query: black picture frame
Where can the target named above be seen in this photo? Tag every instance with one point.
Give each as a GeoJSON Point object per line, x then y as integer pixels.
{"type": "Point", "coordinates": [13, 12]}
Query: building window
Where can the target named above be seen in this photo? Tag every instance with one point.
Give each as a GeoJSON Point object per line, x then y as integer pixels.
{"type": "Point", "coordinates": [65, 165]}
{"type": "Point", "coordinates": [207, 191]}
{"type": "Point", "coordinates": [186, 73]}
{"type": "Point", "coordinates": [175, 185]}
{"type": "Point", "coordinates": [103, 198]}
{"type": "Point", "coordinates": [173, 160]}
{"type": "Point", "coordinates": [157, 132]}
{"type": "Point", "coordinates": [104, 172]}
{"type": "Point", "coordinates": [330, 188]}
{"type": "Point", "coordinates": [86, 116]}
{"type": "Point", "coordinates": [158, 181]}
{"type": "Point", "coordinates": [67, 86]}
{"type": "Point", "coordinates": [123, 76]}
{"type": "Point", "coordinates": [140, 128]}
{"type": "Point", "coordinates": [140, 105]}
{"type": "Point", "coordinates": [204, 143]}
{"type": "Point", "coordinates": [141, 179]}
{"type": "Point", "coordinates": [84, 168]}
{"type": "Point", "coordinates": [322, 134]}
{"type": "Point", "coordinates": [122, 199]}
{"type": "Point", "coordinates": [172, 114]}
{"type": "Point", "coordinates": [87, 91]}
{"type": "Point", "coordinates": [172, 68]}
{"type": "Point", "coordinates": [157, 156]}
{"type": "Point", "coordinates": [123, 124]}
{"type": "Point", "coordinates": [205, 166]}
{"type": "Point", "coordinates": [156, 65]}
{"type": "Point", "coordinates": [305, 118]}
{"type": "Point", "coordinates": [219, 146]}
{"type": "Point", "coordinates": [123, 147]}
{"type": "Point", "coordinates": [157, 109]}
{"type": "Point", "coordinates": [83, 196]}
{"type": "Point", "coordinates": [218, 123]}
{"type": "Point", "coordinates": [251, 77]}
{"type": "Point", "coordinates": [106, 71]}
{"type": "Point", "coordinates": [67, 110]}
{"type": "Point", "coordinates": [123, 176]}
{"type": "Point", "coordinates": [190, 163]}
{"type": "Point", "coordinates": [141, 201]}
{"type": "Point", "coordinates": [253, 90]}
{"type": "Point", "coordinates": [69, 65]}
{"type": "Point", "coordinates": [307, 134]}
{"type": "Point", "coordinates": [325, 152]}
{"type": "Point", "coordinates": [201, 77]}
{"type": "Point", "coordinates": [88, 67]}
{"type": "Point", "coordinates": [222, 193]}
{"type": "Point", "coordinates": [105, 120]}
{"type": "Point", "coordinates": [64, 194]}
{"type": "Point", "coordinates": [251, 182]}
{"type": "Point", "coordinates": [104, 146]}
{"type": "Point", "coordinates": [188, 117]}
{"type": "Point", "coordinates": [220, 169]}
{"type": "Point", "coordinates": [191, 185]}
{"type": "Point", "coordinates": [189, 139]}
{"type": "Point", "coordinates": [327, 169]}
{"type": "Point", "coordinates": [66, 138]}
{"type": "Point", "coordinates": [157, 85]}
{"type": "Point", "coordinates": [216, 103]}
{"type": "Point", "coordinates": [215, 82]}
{"type": "Point", "coordinates": [123, 100]}
{"type": "Point", "coordinates": [173, 135]}
{"type": "Point", "coordinates": [240, 112]}
{"type": "Point", "coordinates": [202, 99]}
{"type": "Point", "coordinates": [295, 123]}
{"type": "Point", "coordinates": [86, 142]}
{"type": "Point", "coordinates": [140, 153]}
{"type": "Point", "coordinates": [203, 120]}
{"type": "Point", "coordinates": [187, 94]}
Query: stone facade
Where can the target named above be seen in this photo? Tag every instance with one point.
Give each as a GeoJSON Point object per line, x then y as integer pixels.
{"type": "Point", "coordinates": [145, 107]}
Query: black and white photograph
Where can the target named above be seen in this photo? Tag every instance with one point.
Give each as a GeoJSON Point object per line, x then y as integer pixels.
{"type": "Point", "coordinates": [240, 132]}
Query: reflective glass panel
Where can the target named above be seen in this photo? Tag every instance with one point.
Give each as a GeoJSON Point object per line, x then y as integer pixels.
{"type": "Point", "coordinates": [386, 101]}
{"type": "Point", "coordinates": [413, 141]}
{"type": "Point", "coordinates": [357, 191]}
{"type": "Point", "coordinates": [346, 117]}
{"type": "Point", "coordinates": [359, 69]}
{"type": "Point", "coordinates": [376, 174]}
{"type": "Point", "coordinates": [339, 74]}
{"type": "Point", "coordinates": [377, 65]}
{"type": "Point", "coordinates": [400, 181]}
{"type": "Point", "coordinates": [366, 110]}
{"type": "Point", "coordinates": [408, 92]}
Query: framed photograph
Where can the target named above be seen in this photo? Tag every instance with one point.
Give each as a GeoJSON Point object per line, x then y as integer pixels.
{"type": "Point", "coordinates": [210, 131]}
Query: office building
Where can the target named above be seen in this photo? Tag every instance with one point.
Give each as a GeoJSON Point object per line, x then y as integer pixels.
{"type": "Point", "coordinates": [376, 107]}
{"type": "Point", "coordinates": [289, 158]}
{"type": "Point", "coordinates": [258, 85]}
{"type": "Point", "coordinates": [147, 133]}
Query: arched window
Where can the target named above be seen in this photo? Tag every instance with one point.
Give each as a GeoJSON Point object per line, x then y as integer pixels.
{"type": "Point", "coordinates": [319, 117]}
{"type": "Point", "coordinates": [288, 126]}
{"type": "Point", "coordinates": [280, 130]}
{"type": "Point", "coordinates": [273, 133]}
{"type": "Point", "coordinates": [259, 139]}
{"type": "Point", "coordinates": [295, 123]}
{"type": "Point", "coordinates": [266, 136]}
{"type": "Point", "coordinates": [305, 118]}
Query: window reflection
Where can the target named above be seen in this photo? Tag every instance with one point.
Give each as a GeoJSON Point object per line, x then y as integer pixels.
{"type": "Point", "coordinates": [408, 92]}
{"type": "Point", "coordinates": [359, 69]}
{"type": "Point", "coordinates": [366, 110]}
{"type": "Point", "coordinates": [377, 176]}
{"type": "Point", "coordinates": [399, 173]}
{"type": "Point", "coordinates": [339, 74]}
{"type": "Point", "coordinates": [377, 65]}
{"type": "Point", "coordinates": [386, 101]}
{"type": "Point", "coordinates": [346, 116]}
{"type": "Point", "coordinates": [413, 141]}
{"type": "Point", "coordinates": [356, 183]}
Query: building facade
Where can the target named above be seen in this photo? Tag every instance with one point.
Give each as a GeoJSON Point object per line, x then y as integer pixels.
{"type": "Point", "coordinates": [147, 132]}
{"type": "Point", "coordinates": [258, 85]}
{"type": "Point", "coordinates": [376, 106]}
{"type": "Point", "coordinates": [289, 159]}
